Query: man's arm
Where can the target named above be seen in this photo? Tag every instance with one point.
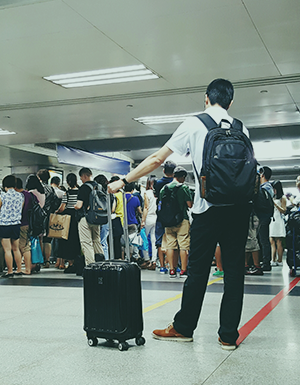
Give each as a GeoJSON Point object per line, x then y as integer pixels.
{"type": "Point", "coordinates": [149, 164]}
{"type": "Point", "coordinates": [145, 212]}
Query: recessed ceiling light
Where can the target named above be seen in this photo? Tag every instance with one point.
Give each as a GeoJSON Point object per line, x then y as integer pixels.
{"type": "Point", "coordinates": [5, 132]}
{"type": "Point", "coordinates": [152, 120]}
{"type": "Point", "coordinates": [103, 76]}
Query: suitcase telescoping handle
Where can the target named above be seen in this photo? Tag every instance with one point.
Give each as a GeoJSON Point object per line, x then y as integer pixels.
{"type": "Point", "coordinates": [110, 232]}
{"type": "Point", "coordinates": [126, 235]}
{"type": "Point", "coordinates": [125, 227]}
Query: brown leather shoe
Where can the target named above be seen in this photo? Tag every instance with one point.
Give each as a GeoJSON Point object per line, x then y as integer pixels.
{"type": "Point", "coordinates": [145, 265]}
{"type": "Point", "coordinates": [170, 334]}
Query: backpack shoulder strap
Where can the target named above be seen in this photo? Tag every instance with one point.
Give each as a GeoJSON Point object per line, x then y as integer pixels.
{"type": "Point", "coordinates": [90, 185]}
{"type": "Point", "coordinates": [207, 120]}
{"type": "Point", "coordinates": [237, 124]}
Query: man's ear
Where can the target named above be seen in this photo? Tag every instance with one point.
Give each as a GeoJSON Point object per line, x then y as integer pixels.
{"type": "Point", "coordinates": [230, 104]}
{"type": "Point", "coordinates": [206, 100]}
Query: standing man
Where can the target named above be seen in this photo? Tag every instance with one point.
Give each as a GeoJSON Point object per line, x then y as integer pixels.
{"type": "Point", "coordinates": [89, 235]}
{"type": "Point", "coordinates": [226, 224]}
{"type": "Point", "coordinates": [178, 237]}
{"type": "Point", "coordinates": [168, 171]}
{"type": "Point", "coordinates": [265, 219]}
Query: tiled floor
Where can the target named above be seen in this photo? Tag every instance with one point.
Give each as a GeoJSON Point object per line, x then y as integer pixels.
{"type": "Point", "coordinates": [42, 340]}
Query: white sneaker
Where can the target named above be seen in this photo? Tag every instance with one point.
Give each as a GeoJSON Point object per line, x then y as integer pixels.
{"type": "Point", "coordinates": [273, 263]}
{"type": "Point", "coordinates": [279, 264]}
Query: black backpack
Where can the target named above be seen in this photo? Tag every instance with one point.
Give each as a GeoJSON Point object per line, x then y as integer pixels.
{"type": "Point", "coordinates": [169, 213]}
{"type": "Point", "coordinates": [52, 201]}
{"type": "Point", "coordinates": [229, 169]}
{"type": "Point", "coordinates": [96, 213]}
{"type": "Point", "coordinates": [263, 203]}
{"type": "Point", "coordinates": [294, 222]}
{"type": "Point", "coordinates": [37, 218]}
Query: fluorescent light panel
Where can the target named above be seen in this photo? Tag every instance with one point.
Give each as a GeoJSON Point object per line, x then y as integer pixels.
{"type": "Point", "coordinates": [152, 120]}
{"type": "Point", "coordinates": [5, 132]}
{"type": "Point", "coordinates": [104, 76]}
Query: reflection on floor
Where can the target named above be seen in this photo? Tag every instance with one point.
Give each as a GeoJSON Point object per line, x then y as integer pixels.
{"type": "Point", "coordinates": [42, 340]}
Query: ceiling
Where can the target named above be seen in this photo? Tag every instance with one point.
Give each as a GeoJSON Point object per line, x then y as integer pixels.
{"type": "Point", "coordinates": [187, 43]}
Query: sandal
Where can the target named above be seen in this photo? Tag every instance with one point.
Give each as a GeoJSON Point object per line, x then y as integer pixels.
{"type": "Point", "coordinates": [47, 264]}
{"type": "Point", "coordinates": [152, 266]}
{"type": "Point", "coordinates": [20, 273]}
{"type": "Point", "coordinates": [11, 275]}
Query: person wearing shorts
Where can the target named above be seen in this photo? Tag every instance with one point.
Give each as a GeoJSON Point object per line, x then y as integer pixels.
{"type": "Point", "coordinates": [11, 204]}
{"type": "Point", "coordinates": [178, 237]}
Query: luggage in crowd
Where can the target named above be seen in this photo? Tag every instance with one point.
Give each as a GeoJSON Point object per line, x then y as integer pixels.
{"type": "Point", "coordinates": [293, 242]}
{"type": "Point", "coordinates": [113, 299]}
{"type": "Point", "coordinates": [59, 226]}
{"type": "Point", "coordinates": [169, 213]}
{"type": "Point", "coordinates": [96, 214]}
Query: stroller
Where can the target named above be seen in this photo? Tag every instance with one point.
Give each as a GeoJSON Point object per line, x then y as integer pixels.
{"type": "Point", "coordinates": [293, 242]}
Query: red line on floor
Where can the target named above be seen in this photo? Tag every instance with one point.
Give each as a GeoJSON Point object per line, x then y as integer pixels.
{"type": "Point", "coordinates": [256, 320]}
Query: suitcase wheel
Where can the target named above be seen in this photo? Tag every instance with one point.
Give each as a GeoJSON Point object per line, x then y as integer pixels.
{"type": "Point", "coordinates": [123, 346]}
{"type": "Point", "coordinates": [92, 341]}
{"type": "Point", "coordinates": [140, 341]}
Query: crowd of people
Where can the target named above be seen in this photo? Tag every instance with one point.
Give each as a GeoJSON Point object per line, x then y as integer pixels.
{"type": "Point", "coordinates": [88, 242]}
{"type": "Point", "coordinates": [168, 246]}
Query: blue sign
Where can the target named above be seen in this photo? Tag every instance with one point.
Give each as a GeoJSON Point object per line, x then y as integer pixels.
{"type": "Point", "coordinates": [81, 158]}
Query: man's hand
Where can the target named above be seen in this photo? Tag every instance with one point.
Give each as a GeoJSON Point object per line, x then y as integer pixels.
{"type": "Point", "coordinates": [115, 186]}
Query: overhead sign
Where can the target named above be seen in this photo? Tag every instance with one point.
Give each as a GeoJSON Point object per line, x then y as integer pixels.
{"type": "Point", "coordinates": [81, 158]}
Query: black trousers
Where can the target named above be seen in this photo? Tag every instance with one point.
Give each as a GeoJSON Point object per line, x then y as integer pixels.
{"type": "Point", "coordinates": [264, 238]}
{"type": "Point", "coordinates": [227, 225]}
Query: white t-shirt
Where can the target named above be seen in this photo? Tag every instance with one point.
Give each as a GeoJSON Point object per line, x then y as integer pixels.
{"type": "Point", "coordinates": [151, 216]}
{"type": "Point", "coordinates": [190, 136]}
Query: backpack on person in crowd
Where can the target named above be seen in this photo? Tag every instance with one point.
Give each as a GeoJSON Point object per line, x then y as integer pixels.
{"type": "Point", "coordinates": [37, 218]}
{"type": "Point", "coordinates": [294, 222]}
{"type": "Point", "coordinates": [52, 201]}
{"type": "Point", "coordinates": [263, 203]}
{"type": "Point", "coordinates": [229, 169]}
{"type": "Point", "coordinates": [96, 213]}
{"type": "Point", "coordinates": [169, 213]}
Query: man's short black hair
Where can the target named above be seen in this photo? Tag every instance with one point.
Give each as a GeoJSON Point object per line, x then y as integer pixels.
{"type": "Point", "coordinates": [85, 171]}
{"type": "Point", "coordinates": [44, 175]}
{"type": "Point", "coordinates": [19, 183]}
{"type": "Point", "coordinates": [180, 172]}
{"type": "Point", "coordinates": [266, 171]}
{"type": "Point", "coordinates": [55, 180]}
{"type": "Point", "coordinates": [9, 181]}
{"type": "Point", "coordinates": [220, 91]}
{"type": "Point", "coordinates": [129, 187]}
{"type": "Point", "coordinates": [169, 167]}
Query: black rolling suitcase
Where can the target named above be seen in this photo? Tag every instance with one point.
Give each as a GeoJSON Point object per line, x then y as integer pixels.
{"type": "Point", "coordinates": [113, 302]}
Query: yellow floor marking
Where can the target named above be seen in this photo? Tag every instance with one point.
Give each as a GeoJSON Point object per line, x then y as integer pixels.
{"type": "Point", "coordinates": [168, 300]}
